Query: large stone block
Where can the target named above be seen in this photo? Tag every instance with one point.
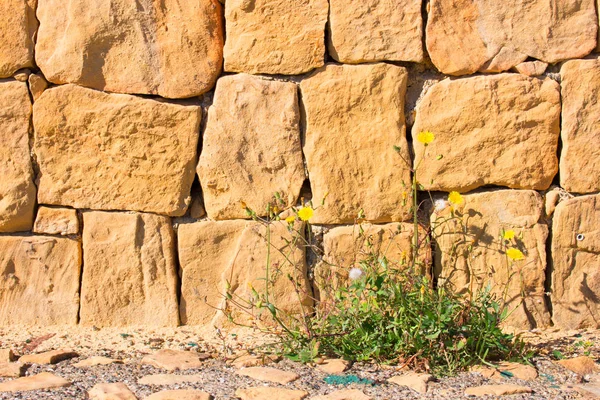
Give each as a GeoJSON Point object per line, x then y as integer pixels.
{"type": "Point", "coordinates": [56, 221]}
{"type": "Point", "coordinates": [275, 36]}
{"type": "Point", "coordinates": [17, 191]}
{"type": "Point", "coordinates": [489, 130]}
{"type": "Point", "coordinates": [580, 155]}
{"type": "Point", "coordinates": [472, 251]}
{"type": "Point", "coordinates": [172, 48]}
{"type": "Point", "coordinates": [251, 146]}
{"type": "Point", "coordinates": [354, 118]}
{"type": "Point", "coordinates": [40, 280]}
{"type": "Point", "coordinates": [215, 254]}
{"type": "Point", "coordinates": [373, 30]}
{"type": "Point", "coordinates": [18, 26]}
{"type": "Point", "coordinates": [576, 262]}
{"type": "Point", "coordinates": [129, 270]}
{"type": "Point", "coordinates": [466, 36]}
{"type": "Point", "coordinates": [114, 152]}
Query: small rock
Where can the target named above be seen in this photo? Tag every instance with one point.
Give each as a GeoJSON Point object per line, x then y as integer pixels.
{"type": "Point", "coordinates": [7, 355]}
{"type": "Point", "coordinates": [582, 365]}
{"type": "Point", "coordinates": [269, 393]}
{"type": "Point", "coordinates": [48, 357]}
{"type": "Point", "coordinates": [42, 381]}
{"type": "Point", "coordinates": [519, 371]}
{"type": "Point", "coordinates": [111, 391]}
{"type": "Point", "coordinates": [531, 68]}
{"type": "Point", "coordinates": [334, 366]}
{"type": "Point", "coordinates": [346, 394]}
{"type": "Point", "coordinates": [413, 380]}
{"type": "Point", "coordinates": [497, 390]}
{"type": "Point", "coordinates": [96, 360]}
{"type": "Point", "coordinates": [590, 390]}
{"type": "Point", "coordinates": [249, 360]}
{"type": "Point", "coordinates": [22, 75]}
{"type": "Point", "coordinates": [180, 395]}
{"type": "Point", "coordinates": [269, 374]}
{"type": "Point", "coordinates": [37, 85]}
{"type": "Point", "coordinates": [12, 369]}
{"type": "Point", "coordinates": [172, 360]}
{"type": "Point", "coordinates": [168, 379]}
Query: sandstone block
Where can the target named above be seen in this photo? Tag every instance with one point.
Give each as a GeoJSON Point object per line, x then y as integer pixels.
{"type": "Point", "coordinates": [169, 379]}
{"type": "Point", "coordinates": [40, 284]}
{"type": "Point", "coordinates": [129, 274]}
{"type": "Point", "coordinates": [575, 256]}
{"type": "Point", "coordinates": [114, 152]}
{"type": "Point", "coordinates": [12, 369]}
{"type": "Point", "coordinates": [269, 374]}
{"type": "Point", "coordinates": [375, 30]}
{"type": "Point", "coordinates": [17, 191]}
{"type": "Point", "coordinates": [489, 130]}
{"type": "Point", "coordinates": [48, 357]}
{"type": "Point", "coordinates": [214, 253]}
{"type": "Point", "coordinates": [275, 36]}
{"type": "Point", "coordinates": [497, 390]}
{"type": "Point", "coordinates": [582, 365]}
{"type": "Point", "coordinates": [171, 48]}
{"type": "Point", "coordinates": [37, 85]}
{"type": "Point", "coordinates": [416, 381]}
{"type": "Point", "coordinates": [264, 393]}
{"type": "Point", "coordinates": [111, 391]}
{"type": "Point", "coordinates": [41, 381]}
{"type": "Point", "coordinates": [468, 262]}
{"type": "Point", "coordinates": [7, 356]}
{"type": "Point", "coordinates": [343, 394]}
{"type": "Point", "coordinates": [531, 68]}
{"type": "Point", "coordinates": [56, 221]}
{"type": "Point", "coordinates": [173, 360]}
{"type": "Point", "coordinates": [580, 156]}
{"type": "Point", "coordinates": [96, 360]}
{"type": "Point", "coordinates": [465, 36]}
{"type": "Point", "coordinates": [354, 117]}
{"type": "Point", "coordinates": [181, 394]}
{"type": "Point", "coordinates": [18, 26]}
{"type": "Point", "coordinates": [251, 146]}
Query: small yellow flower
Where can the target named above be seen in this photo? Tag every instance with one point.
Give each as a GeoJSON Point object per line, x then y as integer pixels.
{"type": "Point", "coordinates": [243, 205]}
{"type": "Point", "coordinates": [290, 219]}
{"type": "Point", "coordinates": [455, 198]}
{"type": "Point", "coordinates": [425, 137]}
{"type": "Point", "coordinates": [514, 254]}
{"type": "Point", "coordinates": [305, 213]}
{"type": "Point", "coordinates": [509, 234]}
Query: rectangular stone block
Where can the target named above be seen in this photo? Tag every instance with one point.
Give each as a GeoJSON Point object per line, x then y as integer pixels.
{"type": "Point", "coordinates": [40, 280]}
{"type": "Point", "coordinates": [354, 118]}
{"type": "Point", "coordinates": [580, 155]}
{"type": "Point", "coordinates": [251, 147]}
{"type": "Point", "coordinates": [129, 270]}
{"type": "Point", "coordinates": [114, 152]}
{"type": "Point", "coordinates": [576, 263]}
{"type": "Point", "coordinates": [56, 221]}
{"type": "Point", "coordinates": [18, 26]}
{"type": "Point", "coordinates": [489, 130]}
{"type": "Point", "coordinates": [475, 243]}
{"type": "Point", "coordinates": [17, 191]}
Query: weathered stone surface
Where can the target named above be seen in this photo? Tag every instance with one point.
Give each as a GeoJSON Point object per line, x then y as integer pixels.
{"type": "Point", "coordinates": [111, 391]}
{"type": "Point", "coordinates": [171, 48]}
{"type": "Point", "coordinates": [169, 379]}
{"type": "Point", "coordinates": [37, 85]}
{"type": "Point", "coordinates": [48, 357]}
{"type": "Point", "coordinates": [582, 365]}
{"type": "Point", "coordinates": [114, 152]}
{"type": "Point", "coordinates": [249, 360]}
{"type": "Point", "coordinates": [96, 360]}
{"type": "Point", "coordinates": [375, 30]}
{"type": "Point", "coordinates": [519, 371]}
{"type": "Point", "coordinates": [173, 360]}
{"type": "Point", "coordinates": [269, 374]}
{"type": "Point", "coordinates": [56, 221]}
{"type": "Point", "coordinates": [465, 36]}
{"type": "Point", "coordinates": [417, 382]}
{"type": "Point", "coordinates": [275, 36]}
{"type": "Point", "coordinates": [180, 395]}
{"type": "Point", "coordinates": [580, 155]}
{"type": "Point", "coordinates": [344, 394]}
{"type": "Point", "coordinates": [251, 147]}
{"type": "Point", "coordinates": [270, 393]}
{"type": "Point", "coordinates": [481, 222]}
{"type": "Point", "coordinates": [17, 191]}
{"type": "Point", "coordinates": [334, 366]}
{"type": "Point", "coordinates": [531, 68]}
{"type": "Point", "coordinates": [129, 274]}
{"type": "Point", "coordinates": [17, 30]}
{"type": "Point", "coordinates": [41, 381]}
{"type": "Point", "coordinates": [354, 117]}
{"type": "Point", "coordinates": [214, 253]}
{"type": "Point", "coordinates": [7, 355]}
{"type": "Point", "coordinates": [575, 256]}
{"type": "Point", "coordinates": [497, 390]}
{"type": "Point", "coordinates": [12, 369]}
{"type": "Point", "coordinates": [489, 130]}
{"type": "Point", "coordinates": [42, 273]}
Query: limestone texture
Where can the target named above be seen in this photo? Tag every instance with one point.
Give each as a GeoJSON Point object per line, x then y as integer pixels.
{"type": "Point", "coordinates": [215, 253]}
{"type": "Point", "coordinates": [170, 48]}
{"type": "Point", "coordinates": [114, 152]}
{"type": "Point", "coordinates": [375, 30]}
{"type": "Point", "coordinates": [575, 257]}
{"type": "Point", "coordinates": [18, 26]}
{"type": "Point", "coordinates": [473, 251]}
{"type": "Point", "coordinates": [580, 134]}
{"type": "Point", "coordinates": [489, 130]}
{"type": "Point", "coordinates": [17, 191]}
{"type": "Point", "coordinates": [466, 36]}
{"type": "Point", "coordinates": [56, 221]}
{"type": "Point", "coordinates": [40, 280]}
{"type": "Point", "coordinates": [251, 147]}
{"type": "Point", "coordinates": [354, 118]}
{"type": "Point", "coordinates": [275, 36]}
{"type": "Point", "coordinates": [129, 274]}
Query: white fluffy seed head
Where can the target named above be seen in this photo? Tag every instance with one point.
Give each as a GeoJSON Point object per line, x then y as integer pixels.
{"type": "Point", "coordinates": [355, 273]}
{"type": "Point", "coordinates": [440, 204]}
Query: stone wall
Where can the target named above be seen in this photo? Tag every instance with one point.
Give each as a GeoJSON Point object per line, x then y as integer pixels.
{"type": "Point", "coordinates": [132, 131]}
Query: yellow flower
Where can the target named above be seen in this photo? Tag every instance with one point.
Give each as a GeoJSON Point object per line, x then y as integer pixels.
{"type": "Point", "coordinates": [243, 205]}
{"type": "Point", "coordinates": [425, 137]}
{"type": "Point", "coordinates": [455, 198]}
{"type": "Point", "coordinates": [305, 213]}
{"type": "Point", "coordinates": [514, 254]}
{"type": "Point", "coordinates": [290, 219]}
{"type": "Point", "coordinates": [509, 234]}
